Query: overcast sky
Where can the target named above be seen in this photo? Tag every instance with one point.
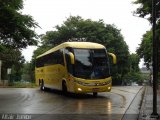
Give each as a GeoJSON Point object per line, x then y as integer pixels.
{"type": "Point", "coordinates": [49, 13]}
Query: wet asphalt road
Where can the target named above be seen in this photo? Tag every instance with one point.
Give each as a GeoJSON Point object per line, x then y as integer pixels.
{"type": "Point", "coordinates": [51, 104]}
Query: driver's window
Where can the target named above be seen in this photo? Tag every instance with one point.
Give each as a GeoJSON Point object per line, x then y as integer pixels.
{"type": "Point", "coordinates": [68, 60]}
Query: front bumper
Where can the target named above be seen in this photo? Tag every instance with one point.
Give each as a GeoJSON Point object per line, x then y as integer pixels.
{"type": "Point", "coordinates": [90, 89]}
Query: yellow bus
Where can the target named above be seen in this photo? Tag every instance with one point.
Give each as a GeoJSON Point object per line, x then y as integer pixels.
{"type": "Point", "coordinates": [77, 67]}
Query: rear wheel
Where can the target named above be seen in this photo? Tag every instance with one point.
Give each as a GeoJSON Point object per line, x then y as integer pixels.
{"type": "Point", "coordinates": [42, 85]}
{"type": "Point", "coordinates": [95, 94]}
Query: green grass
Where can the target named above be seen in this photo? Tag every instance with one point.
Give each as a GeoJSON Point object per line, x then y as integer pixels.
{"type": "Point", "coordinates": [22, 85]}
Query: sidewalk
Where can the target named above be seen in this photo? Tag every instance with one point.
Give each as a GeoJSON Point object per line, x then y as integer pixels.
{"type": "Point", "coordinates": [147, 104]}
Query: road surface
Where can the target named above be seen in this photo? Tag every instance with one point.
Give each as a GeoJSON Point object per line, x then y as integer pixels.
{"type": "Point", "coordinates": [31, 103]}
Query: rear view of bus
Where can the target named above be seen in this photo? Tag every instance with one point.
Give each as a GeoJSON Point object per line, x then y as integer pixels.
{"type": "Point", "coordinates": [87, 68]}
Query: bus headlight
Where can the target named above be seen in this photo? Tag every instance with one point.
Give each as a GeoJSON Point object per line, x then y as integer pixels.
{"type": "Point", "coordinates": [79, 89]}
{"type": "Point", "coordinates": [109, 88]}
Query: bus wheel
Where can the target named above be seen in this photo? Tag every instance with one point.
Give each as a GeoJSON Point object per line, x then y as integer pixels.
{"type": "Point", "coordinates": [64, 88]}
{"type": "Point", "coordinates": [42, 86]}
{"type": "Point", "coordinates": [95, 94]}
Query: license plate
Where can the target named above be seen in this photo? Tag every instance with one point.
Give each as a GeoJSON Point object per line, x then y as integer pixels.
{"type": "Point", "coordinates": [95, 89]}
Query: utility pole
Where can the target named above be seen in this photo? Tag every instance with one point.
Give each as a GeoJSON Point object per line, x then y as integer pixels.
{"type": "Point", "coordinates": [155, 60]}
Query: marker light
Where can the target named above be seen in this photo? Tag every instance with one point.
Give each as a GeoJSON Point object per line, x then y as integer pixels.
{"type": "Point", "coordinates": [109, 88]}
{"type": "Point", "coordinates": [79, 89]}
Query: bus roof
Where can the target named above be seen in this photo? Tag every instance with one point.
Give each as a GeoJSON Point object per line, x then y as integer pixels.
{"type": "Point", "coordinates": [73, 45]}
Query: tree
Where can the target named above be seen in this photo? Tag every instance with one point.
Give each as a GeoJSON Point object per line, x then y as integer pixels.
{"type": "Point", "coordinates": [11, 58]}
{"type": "Point", "coordinates": [134, 74]}
{"type": "Point", "coordinates": [16, 32]}
{"type": "Point", "coordinates": [134, 62]}
{"type": "Point", "coordinates": [145, 48]}
{"type": "Point", "coordinates": [76, 28]}
{"type": "Point", "coordinates": [133, 77]}
{"type": "Point", "coordinates": [16, 28]}
{"type": "Point", "coordinates": [145, 9]}
{"type": "Point", "coordinates": [27, 72]}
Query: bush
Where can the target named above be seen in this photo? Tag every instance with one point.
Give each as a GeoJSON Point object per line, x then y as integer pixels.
{"type": "Point", "coordinates": [24, 85]}
{"type": "Point", "coordinates": [133, 77]}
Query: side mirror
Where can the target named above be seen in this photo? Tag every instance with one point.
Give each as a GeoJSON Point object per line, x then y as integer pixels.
{"type": "Point", "coordinates": [72, 58]}
{"type": "Point", "coordinates": [114, 57]}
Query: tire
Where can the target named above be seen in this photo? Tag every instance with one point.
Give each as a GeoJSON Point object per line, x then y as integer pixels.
{"type": "Point", "coordinates": [95, 94]}
{"type": "Point", "coordinates": [64, 88]}
{"type": "Point", "coordinates": [42, 85]}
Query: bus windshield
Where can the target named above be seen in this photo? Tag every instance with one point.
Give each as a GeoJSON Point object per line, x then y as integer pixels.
{"type": "Point", "coordinates": [91, 64]}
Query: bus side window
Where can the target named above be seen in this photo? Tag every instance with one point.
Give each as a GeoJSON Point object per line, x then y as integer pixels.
{"type": "Point", "coordinates": [39, 62]}
{"type": "Point", "coordinates": [52, 59]}
{"type": "Point", "coordinates": [68, 61]}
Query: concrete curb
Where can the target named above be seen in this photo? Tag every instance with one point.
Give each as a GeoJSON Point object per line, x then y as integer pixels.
{"type": "Point", "coordinates": [146, 108]}
{"type": "Point", "coordinates": [132, 112]}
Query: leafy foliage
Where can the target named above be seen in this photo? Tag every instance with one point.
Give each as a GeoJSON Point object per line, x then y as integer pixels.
{"type": "Point", "coordinates": [133, 77]}
{"type": "Point", "coordinates": [134, 74]}
{"type": "Point", "coordinates": [16, 32]}
{"type": "Point", "coordinates": [134, 62]}
{"type": "Point", "coordinates": [145, 48]}
{"type": "Point", "coordinates": [16, 28]}
{"type": "Point", "coordinates": [145, 9]}
{"type": "Point", "coordinates": [28, 72]}
{"type": "Point", "coordinates": [11, 58]}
